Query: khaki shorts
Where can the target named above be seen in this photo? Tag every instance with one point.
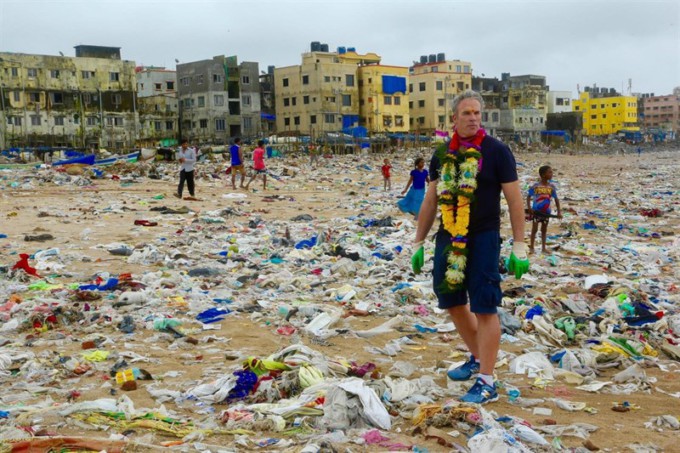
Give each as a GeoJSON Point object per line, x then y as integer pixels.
{"type": "Point", "coordinates": [238, 169]}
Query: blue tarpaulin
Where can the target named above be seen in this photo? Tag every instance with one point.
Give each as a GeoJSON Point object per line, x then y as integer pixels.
{"type": "Point", "coordinates": [268, 116]}
{"type": "Point", "coordinates": [393, 84]}
{"type": "Point", "coordinates": [349, 120]}
{"type": "Point", "coordinates": [358, 131]}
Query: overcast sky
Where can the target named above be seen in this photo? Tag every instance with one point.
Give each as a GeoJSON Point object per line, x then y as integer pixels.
{"type": "Point", "coordinates": [571, 42]}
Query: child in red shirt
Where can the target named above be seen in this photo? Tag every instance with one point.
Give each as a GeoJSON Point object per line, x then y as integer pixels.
{"type": "Point", "coordinates": [387, 182]}
{"type": "Point", "coordinates": [258, 165]}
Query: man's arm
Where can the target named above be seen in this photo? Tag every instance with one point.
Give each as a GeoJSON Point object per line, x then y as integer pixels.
{"type": "Point", "coordinates": [513, 195]}
{"type": "Point", "coordinates": [428, 212]}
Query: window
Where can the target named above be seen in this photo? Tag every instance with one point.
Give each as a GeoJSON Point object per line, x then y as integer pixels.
{"type": "Point", "coordinates": [32, 72]}
{"type": "Point", "coordinates": [35, 120]}
{"type": "Point", "coordinates": [397, 100]}
{"type": "Point", "coordinates": [157, 125]}
{"type": "Point", "coordinates": [312, 119]}
{"type": "Point", "coordinates": [286, 102]}
{"type": "Point", "coordinates": [435, 69]}
{"type": "Point", "coordinates": [185, 81]}
{"type": "Point", "coordinates": [305, 80]}
{"type": "Point", "coordinates": [387, 100]}
{"type": "Point", "coordinates": [349, 80]}
{"type": "Point", "coordinates": [410, 88]}
{"type": "Point", "coordinates": [305, 99]}
{"type": "Point", "coordinates": [440, 102]}
{"type": "Point", "coordinates": [398, 120]}
{"type": "Point", "coordinates": [441, 119]}
{"type": "Point", "coordinates": [114, 76]}
{"type": "Point", "coordinates": [54, 73]}
{"type": "Point", "coordinates": [87, 74]}
{"type": "Point", "coordinates": [485, 116]}
{"type": "Point", "coordinates": [593, 117]}
{"type": "Point", "coordinates": [58, 120]}
{"type": "Point", "coordinates": [118, 121]}
{"type": "Point", "coordinates": [158, 86]}
{"type": "Point", "coordinates": [296, 120]}
{"type": "Point", "coordinates": [15, 72]}
{"type": "Point", "coordinates": [285, 82]}
{"type": "Point", "coordinates": [34, 97]}
{"type": "Point", "coordinates": [286, 121]}
{"type": "Point", "coordinates": [17, 121]}
{"type": "Point", "coordinates": [421, 120]}
{"type": "Point", "coordinates": [57, 98]}
{"type": "Point", "coordinates": [91, 121]}
{"type": "Point", "coordinates": [201, 102]}
{"type": "Point", "coordinates": [217, 78]}
{"type": "Point", "coordinates": [245, 100]}
{"type": "Point", "coordinates": [218, 99]}
{"type": "Point", "coordinates": [293, 101]}
{"type": "Point", "coordinates": [203, 124]}
{"type": "Point", "coordinates": [199, 79]}
{"type": "Point", "coordinates": [247, 122]}
{"type": "Point", "coordinates": [220, 124]}
{"type": "Point", "coordinates": [17, 96]}
{"type": "Point", "coordinates": [410, 105]}
{"type": "Point", "coordinates": [458, 68]}
{"type": "Point", "coordinates": [326, 79]}
{"type": "Point", "coordinates": [593, 106]}
{"type": "Point", "coordinates": [169, 85]}
{"type": "Point", "coordinates": [421, 103]}
{"type": "Point", "coordinates": [117, 99]}
{"type": "Point", "coordinates": [245, 80]}
{"type": "Point", "coordinates": [329, 118]}
{"type": "Point", "coordinates": [169, 126]}
{"type": "Point", "coordinates": [109, 121]}
{"type": "Point", "coordinates": [439, 85]}
{"type": "Point", "coordinates": [346, 100]}
{"type": "Point", "coordinates": [460, 86]}
{"type": "Point", "coordinates": [466, 69]}
{"type": "Point", "coordinates": [421, 86]}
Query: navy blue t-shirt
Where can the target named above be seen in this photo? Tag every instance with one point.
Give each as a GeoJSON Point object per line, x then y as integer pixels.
{"type": "Point", "coordinates": [498, 167]}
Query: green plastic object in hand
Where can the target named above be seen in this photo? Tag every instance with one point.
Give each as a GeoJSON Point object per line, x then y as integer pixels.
{"type": "Point", "coordinates": [418, 260]}
{"type": "Point", "coordinates": [517, 266]}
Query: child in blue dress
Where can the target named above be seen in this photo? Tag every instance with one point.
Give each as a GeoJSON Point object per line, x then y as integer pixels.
{"type": "Point", "coordinates": [418, 183]}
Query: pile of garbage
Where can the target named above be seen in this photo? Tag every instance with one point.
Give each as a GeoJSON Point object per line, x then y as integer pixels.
{"type": "Point", "coordinates": [247, 329]}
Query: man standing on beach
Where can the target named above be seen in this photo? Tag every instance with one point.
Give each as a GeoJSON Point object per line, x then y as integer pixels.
{"type": "Point", "coordinates": [237, 163]}
{"type": "Point", "coordinates": [467, 177]}
{"type": "Point", "coordinates": [187, 159]}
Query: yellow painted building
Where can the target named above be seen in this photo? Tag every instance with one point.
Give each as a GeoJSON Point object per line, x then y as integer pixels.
{"type": "Point", "coordinates": [432, 87]}
{"type": "Point", "coordinates": [606, 115]}
{"type": "Point", "coordinates": [321, 94]}
{"type": "Point", "coordinates": [383, 98]}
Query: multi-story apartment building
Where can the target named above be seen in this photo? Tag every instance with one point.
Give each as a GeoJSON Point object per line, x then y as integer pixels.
{"type": "Point", "coordinates": [433, 83]}
{"type": "Point", "coordinates": [267, 106]}
{"type": "Point", "coordinates": [606, 112]}
{"type": "Point", "coordinates": [157, 106]}
{"type": "Point", "coordinates": [661, 112]}
{"type": "Point", "coordinates": [83, 101]}
{"type": "Point", "coordinates": [218, 99]}
{"type": "Point", "coordinates": [490, 89]}
{"type": "Point", "coordinates": [523, 107]}
{"type": "Point", "coordinates": [322, 93]}
{"type": "Point", "coordinates": [383, 98]}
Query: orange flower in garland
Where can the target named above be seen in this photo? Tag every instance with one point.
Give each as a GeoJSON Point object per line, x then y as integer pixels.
{"type": "Point", "coordinates": [460, 165]}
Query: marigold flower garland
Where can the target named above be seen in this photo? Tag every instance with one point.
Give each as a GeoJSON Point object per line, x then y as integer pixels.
{"type": "Point", "coordinates": [460, 162]}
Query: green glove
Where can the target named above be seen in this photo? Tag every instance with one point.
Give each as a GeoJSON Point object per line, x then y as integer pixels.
{"type": "Point", "coordinates": [518, 262]}
{"type": "Point", "coordinates": [418, 259]}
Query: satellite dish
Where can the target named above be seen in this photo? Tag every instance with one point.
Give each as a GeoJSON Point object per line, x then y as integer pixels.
{"type": "Point", "coordinates": [176, 60]}
{"type": "Point", "coordinates": [61, 53]}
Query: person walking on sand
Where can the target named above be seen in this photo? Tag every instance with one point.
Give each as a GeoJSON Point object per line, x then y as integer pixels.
{"type": "Point", "coordinates": [258, 165]}
{"type": "Point", "coordinates": [187, 159]}
{"type": "Point", "coordinates": [468, 175]}
{"type": "Point", "coordinates": [385, 169]}
{"type": "Point", "coordinates": [538, 204]}
{"type": "Point", "coordinates": [417, 181]}
{"type": "Point", "coordinates": [237, 163]}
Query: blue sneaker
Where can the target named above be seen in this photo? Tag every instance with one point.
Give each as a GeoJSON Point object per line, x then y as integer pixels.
{"type": "Point", "coordinates": [480, 393]}
{"type": "Point", "coordinates": [465, 371]}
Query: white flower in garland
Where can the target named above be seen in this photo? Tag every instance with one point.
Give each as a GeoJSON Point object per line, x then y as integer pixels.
{"type": "Point", "coordinates": [456, 262]}
{"type": "Point", "coordinates": [454, 275]}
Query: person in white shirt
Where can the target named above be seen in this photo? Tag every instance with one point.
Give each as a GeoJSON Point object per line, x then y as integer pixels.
{"type": "Point", "coordinates": [187, 159]}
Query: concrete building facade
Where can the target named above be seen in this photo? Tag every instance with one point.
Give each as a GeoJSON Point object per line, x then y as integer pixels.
{"type": "Point", "coordinates": [383, 98]}
{"type": "Point", "coordinates": [157, 106]}
{"type": "Point", "coordinates": [606, 112]}
{"type": "Point", "coordinates": [558, 102]}
{"type": "Point", "coordinates": [83, 101]}
{"type": "Point", "coordinates": [662, 112]}
{"type": "Point", "coordinates": [433, 83]}
{"type": "Point", "coordinates": [219, 99]}
{"type": "Point", "coordinates": [321, 94]}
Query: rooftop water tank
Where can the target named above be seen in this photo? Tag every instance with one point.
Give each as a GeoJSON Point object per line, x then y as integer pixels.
{"type": "Point", "coordinates": [441, 57]}
{"type": "Point", "coordinates": [423, 59]}
{"type": "Point", "coordinates": [352, 49]}
{"type": "Point", "coordinates": [432, 58]}
{"type": "Point", "coordinates": [316, 46]}
{"type": "Point", "coordinates": [324, 47]}
{"type": "Point", "coordinates": [342, 50]}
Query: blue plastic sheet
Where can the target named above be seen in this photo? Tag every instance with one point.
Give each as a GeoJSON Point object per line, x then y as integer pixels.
{"type": "Point", "coordinates": [110, 285]}
{"type": "Point", "coordinates": [212, 315]}
{"type": "Point", "coordinates": [393, 84]}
